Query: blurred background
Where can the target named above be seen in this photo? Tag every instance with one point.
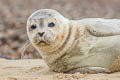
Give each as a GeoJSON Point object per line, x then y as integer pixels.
{"type": "Point", "coordinates": [14, 14]}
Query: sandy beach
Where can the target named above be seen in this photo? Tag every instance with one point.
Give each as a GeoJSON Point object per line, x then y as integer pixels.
{"type": "Point", "coordinates": [36, 69]}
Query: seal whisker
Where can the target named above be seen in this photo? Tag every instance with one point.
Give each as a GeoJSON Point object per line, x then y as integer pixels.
{"type": "Point", "coordinates": [25, 46]}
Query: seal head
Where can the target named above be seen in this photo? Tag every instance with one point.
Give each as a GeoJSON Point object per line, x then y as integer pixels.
{"type": "Point", "coordinates": [46, 29]}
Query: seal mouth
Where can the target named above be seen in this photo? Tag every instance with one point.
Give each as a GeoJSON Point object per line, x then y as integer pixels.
{"type": "Point", "coordinates": [42, 43]}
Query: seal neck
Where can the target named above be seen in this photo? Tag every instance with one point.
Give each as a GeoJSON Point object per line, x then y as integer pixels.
{"type": "Point", "coordinates": [66, 45]}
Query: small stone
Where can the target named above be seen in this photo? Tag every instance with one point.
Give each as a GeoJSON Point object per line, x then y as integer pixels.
{"type": "Point", "coordinates": [2, 27]}
{"type": "Point", "coordinates": [1, 35]}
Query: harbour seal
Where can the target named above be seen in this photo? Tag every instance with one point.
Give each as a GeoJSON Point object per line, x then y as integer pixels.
{"type": "Point", "coordinates": [90, 45]}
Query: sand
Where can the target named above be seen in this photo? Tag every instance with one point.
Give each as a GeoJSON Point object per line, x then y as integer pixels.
{"type": "Point", "coordinates": [36, 69]}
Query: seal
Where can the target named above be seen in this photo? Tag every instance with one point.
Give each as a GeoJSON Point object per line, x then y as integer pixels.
{"type": "Point", "coordinates": [90, 45]}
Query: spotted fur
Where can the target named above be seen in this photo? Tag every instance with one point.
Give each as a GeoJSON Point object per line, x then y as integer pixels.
{"type": "Point", "coordinates": [86, 46]}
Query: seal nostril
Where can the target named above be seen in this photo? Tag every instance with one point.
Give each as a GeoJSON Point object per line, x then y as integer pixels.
{"type": "Point", "coordinates": [41, 33]}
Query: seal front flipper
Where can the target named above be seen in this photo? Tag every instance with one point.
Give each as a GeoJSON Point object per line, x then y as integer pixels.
{"type": "Point", "coordinates": [91, 70]}
{"type": "Point", "coordinates": [104, 29]}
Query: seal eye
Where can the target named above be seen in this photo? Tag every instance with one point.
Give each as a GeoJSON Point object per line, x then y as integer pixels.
{"type": "Point", "coordinates": [51, 24]}
{"type": "Point", "coordinates": [33, 27]}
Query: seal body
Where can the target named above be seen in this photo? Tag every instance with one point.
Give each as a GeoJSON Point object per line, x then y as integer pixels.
{"type": "Point", "coordinates": [86, 46]}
